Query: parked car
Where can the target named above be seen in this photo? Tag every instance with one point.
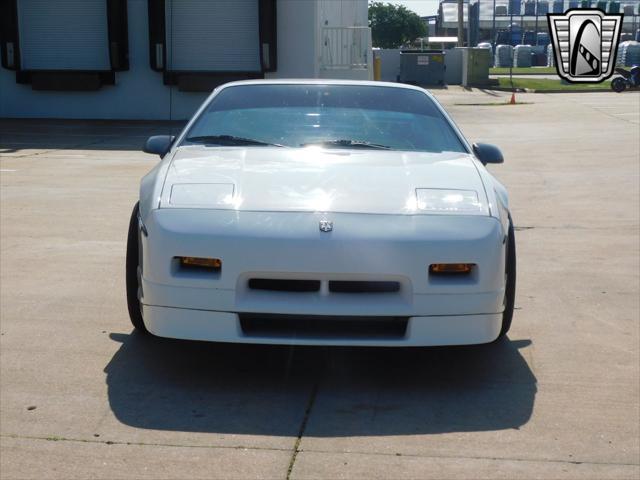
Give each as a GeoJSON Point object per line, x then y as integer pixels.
{"type": "Point", "coordinates": [322, 212]}
{"type": "Point", "coordinates": [626, 79]}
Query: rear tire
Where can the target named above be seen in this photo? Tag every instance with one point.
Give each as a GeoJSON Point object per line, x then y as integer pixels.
{"type": "Point", "coordinates": [132, 265]}
{"type": "Point", "coordinates": [618, 84]}
{"type": "Point", "coordinates": [510, 283]}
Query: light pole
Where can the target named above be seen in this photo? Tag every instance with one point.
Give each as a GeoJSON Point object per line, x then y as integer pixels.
{"type": "Point", "coordinates": [461, 23]}
{"type": "Point", "coordinates": [493, 33]}
{"type": "Point", "coordinates": [536, 12]}
{"type": "Point", "coordinates": [510, 43]}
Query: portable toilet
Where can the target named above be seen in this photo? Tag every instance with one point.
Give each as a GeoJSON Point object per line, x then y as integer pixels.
{"type": "Point", "coordinates": [530, 8]}
{"type": "Point", "coordinates": [502, 37]}
{"type": "Point", "coordinates": [522, 56]}
{"type": "Point", "coordinates": [543, 39]}
{"type": "Point", "coordinates": [529, 38]}
{"type": "Point", "coordinates": [503, 56]}
{"type": "Point", "coordinates": [516, 34]}
{"type": "Point", "coordinates": [543, 8]}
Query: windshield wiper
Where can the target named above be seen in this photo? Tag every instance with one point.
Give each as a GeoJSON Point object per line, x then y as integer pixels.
{"type": "Point", "coordinates": [229, 140]}
{"type": "Point", "coordinates": [349, 144]}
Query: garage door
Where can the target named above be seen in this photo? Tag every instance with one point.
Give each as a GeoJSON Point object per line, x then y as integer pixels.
{"type": "Point", "coordinates": [205, 35]}
{"type": "Point", "coordinates": [63, 35]}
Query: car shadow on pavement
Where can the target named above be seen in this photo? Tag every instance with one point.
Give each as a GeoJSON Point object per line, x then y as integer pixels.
{"type": "Point", "coordinates": [163, 384]}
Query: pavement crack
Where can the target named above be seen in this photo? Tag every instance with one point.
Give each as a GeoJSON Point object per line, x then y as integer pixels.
{"type": "Point", "coordinates": [55, 438]}
{"type": "Point", "coordinates": [303, 426]}
{"type": "Point", "coordinates": [473, 457]}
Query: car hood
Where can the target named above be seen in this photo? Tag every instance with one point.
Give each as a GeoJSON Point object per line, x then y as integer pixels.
{"type": "Point", "coordinates": [313, 179]}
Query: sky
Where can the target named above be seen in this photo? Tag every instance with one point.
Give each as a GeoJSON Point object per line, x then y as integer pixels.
{"type": "Point", "coordinates": [421, 7]}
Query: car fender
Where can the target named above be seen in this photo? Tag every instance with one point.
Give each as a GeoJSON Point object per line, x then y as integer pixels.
{"type": "Point", "coordinates": [151, 186]}
{"type": "Point", "coordinates": [497, 196]}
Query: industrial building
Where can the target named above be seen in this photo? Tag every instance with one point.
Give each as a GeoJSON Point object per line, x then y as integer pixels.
{"type": "Point", "coordinates": [158, 59]}
{"type": "Point", "coordinates": [519, 21]}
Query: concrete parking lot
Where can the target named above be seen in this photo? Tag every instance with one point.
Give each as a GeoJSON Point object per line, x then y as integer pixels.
{"type": "Point", "coordinates": [83, 397]}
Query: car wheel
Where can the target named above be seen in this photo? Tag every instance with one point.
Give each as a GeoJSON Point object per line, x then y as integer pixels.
{"type": "Point", "coordinates": [134, 272]}
{"type": "Point", "coordinates": [618, 84]}
{"type": "Point", "coordinates": [510, 282]}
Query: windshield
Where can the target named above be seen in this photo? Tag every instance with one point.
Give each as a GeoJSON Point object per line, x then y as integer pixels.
{"type": "Point", "coordinates": [331, 116]}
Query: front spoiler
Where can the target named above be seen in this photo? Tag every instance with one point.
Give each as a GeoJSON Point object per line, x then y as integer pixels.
{"type": "Point", "coordinates": [188, 324]}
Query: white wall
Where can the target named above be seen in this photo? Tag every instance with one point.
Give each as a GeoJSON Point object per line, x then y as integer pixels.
{"type": "Point", "coordinates": [297, 26]}
{"type": "Point", "coordinates": [139, 93]}
{"type": "Point", "coordinates": [344, 13]}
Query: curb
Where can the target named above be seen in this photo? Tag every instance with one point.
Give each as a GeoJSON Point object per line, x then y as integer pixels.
{"type": "Point", "coordinates": [531, 90]}
{"type": "Point", "coordinates": [583, 90]}
{"type": "Point", "coordinates": [524, 74]}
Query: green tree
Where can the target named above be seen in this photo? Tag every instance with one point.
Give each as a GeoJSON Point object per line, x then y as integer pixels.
{"type": "Point", "coordinates": [394, 25]}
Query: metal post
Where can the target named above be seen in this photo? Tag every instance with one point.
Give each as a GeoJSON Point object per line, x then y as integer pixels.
{"type": "Point", "coordinates": [478, 29]}
{"type": "Point", "coordinates": [510, 43]}
{"type": "Point", "coordinates": [469, 24]}
{"type": "Point", "coordinates": [510, 25]}
{"type": "Point", "coordinates": [461, 23]}
{"type": "Point", "coordinates": [493, 39]}
{"type": "Point", "coordinates": [536, 12]}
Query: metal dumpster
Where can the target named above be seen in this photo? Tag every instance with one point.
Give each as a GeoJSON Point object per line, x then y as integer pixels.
{"type": "Point", "coordinates": [422, 67]}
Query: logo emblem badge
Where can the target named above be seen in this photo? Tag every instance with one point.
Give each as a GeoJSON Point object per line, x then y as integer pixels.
{"type": "Point", "coordinates": [326, 225]}
{"type": "Point", "coordinates": [585, 43]}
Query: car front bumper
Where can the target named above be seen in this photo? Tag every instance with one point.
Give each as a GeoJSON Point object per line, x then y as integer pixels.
{"type": "Point", "coordinates": [289, 246]}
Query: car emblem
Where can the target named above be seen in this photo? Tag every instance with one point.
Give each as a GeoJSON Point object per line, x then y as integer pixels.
{"type": "Point", "coordinates": [326, 225]}
{"type": "Point", "coordinates": [585, 42]}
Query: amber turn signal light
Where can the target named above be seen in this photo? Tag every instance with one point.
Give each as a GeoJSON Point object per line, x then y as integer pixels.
{"type": "Point", "coordinates": [196, 262]}
{"type": "Point", "coordinates": [451, 268]}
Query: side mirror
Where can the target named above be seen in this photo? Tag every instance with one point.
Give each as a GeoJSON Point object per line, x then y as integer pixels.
{"type": "Point", "coordinates": [488, 153]}
{"type": "Point", "coordinates": [158, 144]}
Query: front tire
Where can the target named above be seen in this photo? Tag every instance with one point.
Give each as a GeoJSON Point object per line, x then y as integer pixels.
{"type": "Point", "coordinates": [510, 283]}
{"type": "Point", "coordinates": [133, 271]}
{"type": "Point", "coordinates": [618, 84]}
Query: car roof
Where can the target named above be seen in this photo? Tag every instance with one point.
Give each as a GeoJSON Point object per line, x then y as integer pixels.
{"type": "Point", "coordinates": [323, 81]}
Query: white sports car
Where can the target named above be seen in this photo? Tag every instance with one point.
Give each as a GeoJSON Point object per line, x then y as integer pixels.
{"type": "Point", "coordinates": [324, 213]}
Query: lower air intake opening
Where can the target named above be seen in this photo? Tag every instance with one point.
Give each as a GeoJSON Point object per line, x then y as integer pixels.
{"type": "Point", "coordinates": [342, 286]}
{"type": "Point", "coordinates": [318, 326]}
{"type": "Point", "coordinates": [284, 285]}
